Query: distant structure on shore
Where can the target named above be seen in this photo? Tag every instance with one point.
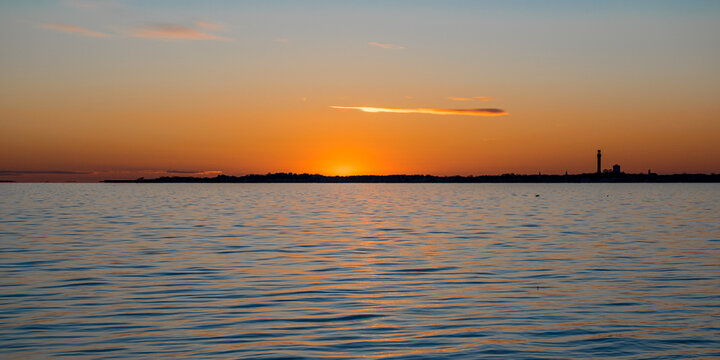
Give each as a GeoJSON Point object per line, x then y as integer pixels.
{"type": "Point", "coordinates": [615, 168]}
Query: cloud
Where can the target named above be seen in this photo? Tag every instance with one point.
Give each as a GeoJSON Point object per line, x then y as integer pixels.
{"type": "Point", "coordinates": [282, 40]}
{"type": "Point", "coordinates": [75, 30]}
{"type": "Point", "coordinates": [176, 32]}
{"type": "Point", "coordinates": [471, 112]}
{"type": "Point", "coordinates": [210, 26]}
{"type": "Point", "coordinates": [202, 172]}
{"type": "Point", "coordinates": [386, 46]}
{"type": "Point", "coordinates": [93, 4]}
{"type": "Point", "coordinates": [475, 98]}
{"type": "Point", "coordinates": [43, 172]}
{"type": "Point", "coordinates": [158, 172]}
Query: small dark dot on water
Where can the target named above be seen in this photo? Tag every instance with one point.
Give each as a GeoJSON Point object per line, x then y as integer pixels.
{"type": "Point", "coordinates": [537, 195]}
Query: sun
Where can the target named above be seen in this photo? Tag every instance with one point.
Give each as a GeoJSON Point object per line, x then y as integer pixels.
{"type": "Point", "coordinates": [341, 161]}
{"type": "Point", "coordinates": [343, 170]}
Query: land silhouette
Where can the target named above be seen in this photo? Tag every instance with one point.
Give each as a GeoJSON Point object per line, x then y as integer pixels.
{"type": "Point", "coordinates": [600, 176]}
{"type": "Point", "coordinates": [607, 177]}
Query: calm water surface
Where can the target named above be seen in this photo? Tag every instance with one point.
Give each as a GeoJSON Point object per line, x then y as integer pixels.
{"type": "Point", "coordinates": [399, 271]}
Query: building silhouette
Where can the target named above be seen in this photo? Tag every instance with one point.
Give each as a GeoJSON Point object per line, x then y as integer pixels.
{"type": "Point", "coordinates": [599, 169]}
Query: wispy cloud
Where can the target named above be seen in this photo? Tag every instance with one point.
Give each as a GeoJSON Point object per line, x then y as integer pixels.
{"type": "Point", "coordinates": [471, 112]}
{"type": "Point", "coordinates": [43, 172]}
{"type": "Point", "coordinates": [158, 172]}
{"type": "Point", "coordinates": [210, 26]}
{"type": "Point", "coordinates": [386, 46]}
{"type": "Point", "coordinates": [474, 98]}
{"type": "Point", "coordinates": [93, 4]}
{"type": "Point", "coordinates": [75, 30]}
{"type": "Point", "coordinates": [201, 172]}
{"type": "Point", "coordinates": [176, 32]}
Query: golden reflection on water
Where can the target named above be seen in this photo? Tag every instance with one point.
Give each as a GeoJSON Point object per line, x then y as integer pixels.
{"type": "Point", "coordinates": [359, 270]}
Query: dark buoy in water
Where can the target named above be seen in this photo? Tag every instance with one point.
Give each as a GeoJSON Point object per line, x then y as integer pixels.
{"type": "Point", "coordinates": [537, 195]}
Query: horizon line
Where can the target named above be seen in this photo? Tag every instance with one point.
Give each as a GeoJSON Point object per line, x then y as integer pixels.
{"type": "Point", "coordinates": [291, 175]}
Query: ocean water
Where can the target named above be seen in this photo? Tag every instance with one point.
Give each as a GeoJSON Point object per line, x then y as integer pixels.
{"type": "Point", "coordinates": [345, 271]}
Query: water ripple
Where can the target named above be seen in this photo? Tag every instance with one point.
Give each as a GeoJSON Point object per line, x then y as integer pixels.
{"type": "Point", "coordinates": [345, 271]}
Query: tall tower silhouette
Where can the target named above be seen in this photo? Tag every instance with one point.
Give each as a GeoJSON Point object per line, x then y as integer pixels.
{"type": "Point", "coordinates": [598, 163]}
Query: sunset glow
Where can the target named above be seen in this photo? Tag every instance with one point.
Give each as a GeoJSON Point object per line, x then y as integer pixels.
{"type": "Point", "coordinates": [94, 89]}
{"type": "Point", "coordinates": [335, 179]}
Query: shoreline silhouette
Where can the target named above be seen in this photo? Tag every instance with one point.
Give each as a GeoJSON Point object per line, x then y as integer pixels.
{"type": "Point", "coordinates": [504, 178]}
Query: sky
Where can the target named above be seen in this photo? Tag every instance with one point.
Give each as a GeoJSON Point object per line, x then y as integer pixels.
{"type": "Point", "coordinates": [121, 89]}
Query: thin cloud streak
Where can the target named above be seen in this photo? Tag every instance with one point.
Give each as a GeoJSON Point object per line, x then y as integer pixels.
{"type": "Point", "coordinates": [202, 172]}
{"type": "Point", "coordinates": [96, 172]}
{"type": "Point", "coordinates": [470, 112]}
{"type": "Point", "coordinates": [176, 32]}
{"type": "Point", "coordinates": [43, 172]}
{"type": "Point", "coordinates": [474, 98]}
{"type": "Point", "coordinates": [386, 46]}
{"type": "Point", "coordinates": [157, 172]}
{"type": "Point", "coordinates": [210, 26]}
{"type": "Point", "coordinates": [75, 30]}
{"type": "Point", "coordinates": [93, 4]}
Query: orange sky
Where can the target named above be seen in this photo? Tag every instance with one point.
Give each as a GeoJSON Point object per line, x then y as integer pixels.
{"type": "Point", "coordinates": [121, 89]}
